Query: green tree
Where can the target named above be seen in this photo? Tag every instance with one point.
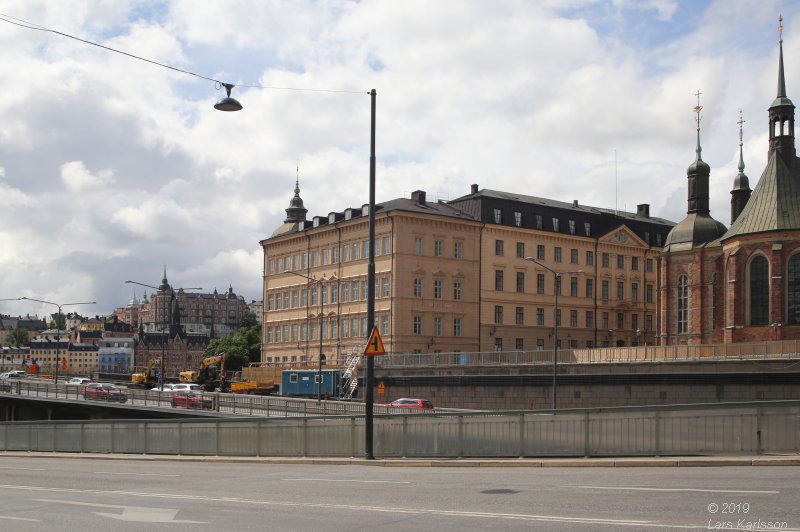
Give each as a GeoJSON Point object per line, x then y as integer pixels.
{"type": "Point", "coordinates": [235, 354]}
{"type": "Point", "coordinates": [58, 321]}
{"type": "Point", "coordinates": [18, 337]}
{"type": "Point", "coordinates": [249, 320]}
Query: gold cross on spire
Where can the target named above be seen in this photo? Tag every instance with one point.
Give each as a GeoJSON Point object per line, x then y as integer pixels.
{"type": "Point", "coordinates": [780, 29]}
{"type": "Point", "coordinates": [698, 108]}
{"type": "Point", "coordinates": [740, 122]}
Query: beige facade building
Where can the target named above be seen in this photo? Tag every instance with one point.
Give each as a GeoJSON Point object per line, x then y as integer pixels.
{"type": "Point", "coordinates": [474, 274]}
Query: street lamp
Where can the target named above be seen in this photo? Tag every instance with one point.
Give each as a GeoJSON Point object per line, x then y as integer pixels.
{"type": "Point", "coordinates": [231, 104]}
{"type": "Point", "coordinates": [321, 312]}
{"type": "Point", "coordinates": [556, 281]}
{"type": "Point", "coordinates": [163, 330]}
{"type": "Point", "coordinates": [58, 326]}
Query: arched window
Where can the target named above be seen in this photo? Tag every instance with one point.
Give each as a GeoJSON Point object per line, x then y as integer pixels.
{"type": "Point", "coordinates": [793, 290]}
{"type": "Point", "coordinates": [683, 304]}
{"type": "Point", "coordinates": [759, 291]}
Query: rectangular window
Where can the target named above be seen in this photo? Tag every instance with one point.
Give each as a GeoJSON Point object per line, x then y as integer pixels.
{"type": "Point", "coordinates": [324, 259]}
{"type": "Point", "coordinates": [519, 344]}
{"type": "Point", "coordinates": [521, 282]}
{"type": "Point", "coordinates": [458, 251]}
{"type": "Point", "coordinates": [635, 322]}
{"type": "Point", "coordinates": [620, 290]}
{"type": "Point", "coordinates": [573, 286]}
{"type": "Point", "coordinates": [437, 289]}
{"type": "Point", "coordinates": [649, 293]}
{"type": "Point", "coordinates": [540, 283]}
{"type": "Point", "coordinates": [498, 344]}
{"type": "Point", "coordinates": [345, 292]}
{"type": "Point", "coordinates": [498, 216]}
{"type": "Point", "coordinates": [520, 250]}
{"type": "Point", "coordinates": [605, 320]}
{"type": "Point", "coordinates": [520, 316]}
{"type": "Point", "coordinates": [538, 221]}
{"type": "Point", "coordinates": [345, 253]}
{"type": "Point", "coordinates": [271, 266]}
{"type": "Point", "coordinates": [437, 326]}
{"type": "Point", "coordinates": [635, 263]}
{"type": "Point", "coordinates": [384, 324]}
{"type": "Point", "coordinates": [356, 251]}
{"type": "Point", "coordinates": [335, 255]}
{"type": "Point", "coordinates": [573, 318]}
{"type": "Point", "coordinates": [648, 322]}
{"type": "Point", "coordinates": [558, 317]}
{"type": "Point", "coordinates": [438, 248]}
{"type": "Point", "coordinates": [456, 326]}
{"type": "Point", "coordinates": [605, 260]}
{"type": "Point", "coordinates": [518, 219]}
{"type": "Point", "coordinates": [555, 225]}
{"type": "Point", "coordinates": [621, 262]}
{"type": "Point", "coordinates": [498, 314]}
{"type": "Point", "coordinates": [418, 245]}
{"type": "Point", "coordinates": [295, 298]}
{"type": "Point", "coordinates": [540, 252]}
{"type": "Point", "coordinates": [387, 245]}
{"type": "Point", "coordinates": [355, 291]}
{"type": "Point", "coordinates": [418, 288]}
{"type": "Point", "coordinates": [314, 258]}
{"type": "Point", "coordinates": [323, 290]}
{"type": "Point", "coordinates": [589, 287]}
{"type": "Point", "coordinates": [604, 290]}
{"type": "Point", "coordinates": [557, 254]}
{"type": "Point", "coordinates": [589, 258]}
{"type": "Point", "coordinates": [572, 227]}
{"type": "Point", "coordinates": [385, 287]}
{"type": "Point", "coordinates": [498, 280]}
{"type": "Point", "coordinates": [457, 290]}
{"type": "Point", "coordinates": [417, 325]}
{"type": "Point", "coordinates": [635, 292]}
{"type": "Point", "coordinates": [649, 265]}
{"type": "Point", "coordinates": [573, 256]}
{"type": "Point", "coordinates": [539, 316]}
{"type": "Point", "coordinates": [589, 319]}
{"type": "Point", "coordinates": [498, 248]}
{"type": "Point", "coordinates": [587, 228]}
{"type": "Point", "coordinates": [558, 285]}
{"type": "Point", "coordinates": [620, 320]}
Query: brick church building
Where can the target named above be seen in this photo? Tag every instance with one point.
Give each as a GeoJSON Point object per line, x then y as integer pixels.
{"type": "Point", "coordinates": [740, 284]}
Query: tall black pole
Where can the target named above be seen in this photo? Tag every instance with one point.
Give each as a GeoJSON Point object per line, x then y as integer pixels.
{"type": "Point", "coordinates": [368, 453]}
{"type": "Point", "coordinates": [556, 288]}
{"type": "Point", "coordinates": [319, 372]}
{"type": "Point", "coordinates": [58, 343]}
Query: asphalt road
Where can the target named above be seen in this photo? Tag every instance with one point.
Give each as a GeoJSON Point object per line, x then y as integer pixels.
{"type": "Point", "coordinates": [46, 494]}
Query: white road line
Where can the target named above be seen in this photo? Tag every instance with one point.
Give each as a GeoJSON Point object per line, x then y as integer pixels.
{"type": "Point", "coordinates": [141, 514]}
{"type": "Point", "coordinates": [629, 488]}
{"type": "Point", "coordinates": [9, 518]}
{"type": "Point", "coordinates": [24, 468]}
{"type": "Point", "coordinates": [347, 480]}
{"type": "Point", "coordinates": [134, 474]}
{"type": "Point", "coordinates": [361, 508]}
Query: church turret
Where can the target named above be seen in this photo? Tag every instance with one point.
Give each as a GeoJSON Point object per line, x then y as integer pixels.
{"type": "Point", "coordinates": [741, 184]}
{"type": "Point", "coordinates": [295, 213]}
{"type": "Point", "coordinates": [781, 113]}
{"type": "Point", "coordinates": [698, 228]}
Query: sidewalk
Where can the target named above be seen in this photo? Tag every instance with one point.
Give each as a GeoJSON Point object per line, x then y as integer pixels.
{"type": "Point", "coordinates": [671, 461]}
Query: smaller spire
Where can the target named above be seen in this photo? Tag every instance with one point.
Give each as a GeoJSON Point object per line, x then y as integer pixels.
{"type": "Point", "coordinates": [698, 118]}
{"type": "Point", "coordinates": [781, 78]}
{"type": "Point", "coordinates": [741, 156]}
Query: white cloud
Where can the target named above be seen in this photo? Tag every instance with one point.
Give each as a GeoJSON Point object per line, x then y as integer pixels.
{"type": "Point", "coordinates": [77, 177]}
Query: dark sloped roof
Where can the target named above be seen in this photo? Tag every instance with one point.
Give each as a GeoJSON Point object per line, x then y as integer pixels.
{"type": "Point", "coordinates": [775, 202]}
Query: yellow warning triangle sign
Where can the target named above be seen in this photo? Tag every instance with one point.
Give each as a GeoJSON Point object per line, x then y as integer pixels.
{"type": "Point", "coordinates": [375, 344]}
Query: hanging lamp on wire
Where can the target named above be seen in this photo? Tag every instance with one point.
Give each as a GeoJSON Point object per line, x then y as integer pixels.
{"type": "Point", "coordinates": [228, 103]}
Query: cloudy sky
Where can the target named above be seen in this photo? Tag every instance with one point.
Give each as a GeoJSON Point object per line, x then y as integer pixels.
{"type": "Point", "coordinates": [112, 168]}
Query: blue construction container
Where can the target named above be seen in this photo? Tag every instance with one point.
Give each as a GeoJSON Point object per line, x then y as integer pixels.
{"type": "Point", "coordinates": [303, 382]}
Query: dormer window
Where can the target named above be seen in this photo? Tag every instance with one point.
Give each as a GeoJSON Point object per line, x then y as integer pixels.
{"type": "Point", "coordinates": [498, 216]}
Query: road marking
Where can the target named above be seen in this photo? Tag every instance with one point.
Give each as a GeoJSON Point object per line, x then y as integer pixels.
{"type": "Point", "coordinates": [139, 514]}
{"type": "Point", "coordinates": [347, 480]}
{"type": "Point", "coordinates": [9, 518]}
{"type": "Point", "coordinates": [767, 492]}
{"type": "Point", "coordinates": [134, 474]}
{"type": "Point", "coordinates": [359, 508]}
{"type": "Point", "coordinates": [24, 468]}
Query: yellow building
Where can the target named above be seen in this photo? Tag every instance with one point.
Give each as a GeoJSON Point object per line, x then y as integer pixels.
{"type": "Point", "coordinates": [474, 274]}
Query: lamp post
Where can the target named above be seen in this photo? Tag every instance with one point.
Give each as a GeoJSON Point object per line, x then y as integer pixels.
{"type": "Point", "coordinates": [163, 330]}
{"type": "Point", "coordinates": [231, 104]}
{"type": "Point", "coordinates": [320, 317]}
{"type": "Point", "coordinates": [556, 282]}
{"type": "Point", "coordinates": [58, 325]}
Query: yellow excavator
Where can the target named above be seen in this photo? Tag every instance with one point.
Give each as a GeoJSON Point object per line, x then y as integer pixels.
{"type": "Point", "coordinates": [210, 374]}
{"type": "Point", "coordinates": [149, 377]}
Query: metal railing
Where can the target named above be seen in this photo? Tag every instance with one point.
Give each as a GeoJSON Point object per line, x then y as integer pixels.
{"type": "Point", "coordinates": [786, 349]}
{"type": "Point", "coordinates": [712, 429]}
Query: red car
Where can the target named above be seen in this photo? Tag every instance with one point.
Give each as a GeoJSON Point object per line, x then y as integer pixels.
{"type": "Point", "coordinates": [192, 399]}
{"type": "Point", "coordinates": [410, 403]}
{"type": "Point", "coordinates": [103, 391]}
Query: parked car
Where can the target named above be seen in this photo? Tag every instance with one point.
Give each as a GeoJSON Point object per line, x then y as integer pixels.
{"type": "Point", "coordinates": [103, 391]}
{"type": "Point", "coordinates": [192, 399]}
{"type": "Point", "coordinates": [167, 388]}
{"type": "Point", "coordinates": [185, 387]}
{"type": "Point", "coordinates": [16, 374]}
{"type": "Point", "coordinates": [78, 381]}
{"type": "Point", "coordinates": [404, 402]}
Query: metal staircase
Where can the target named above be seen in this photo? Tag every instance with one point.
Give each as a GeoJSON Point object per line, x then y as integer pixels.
{"type": "Point", "coordinates": [349, 377]}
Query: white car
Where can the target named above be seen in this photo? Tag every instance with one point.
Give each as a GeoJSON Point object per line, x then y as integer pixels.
{"type": "Point", "coordinates": [167, 388]}
{"type": "Point", "coordinates": [185, 387]}
{"type": "Point", "coordinates": [78, 381]}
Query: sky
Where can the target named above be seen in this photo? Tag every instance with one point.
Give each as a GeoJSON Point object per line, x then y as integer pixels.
{"type": "Point", "coordinates": [113, 168]}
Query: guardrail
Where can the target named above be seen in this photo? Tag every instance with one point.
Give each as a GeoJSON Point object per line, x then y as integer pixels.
{"type": "Point", "coordinates": [226, 403]}
{"type": "Point", "coordinates": [785, 349]}
{"type": "Point", "coordinates": [734, 428]}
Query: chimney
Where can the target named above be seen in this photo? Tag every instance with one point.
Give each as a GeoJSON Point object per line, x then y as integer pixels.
{"type": "Point", "coordinates": [574, 203]}
{"type": "Point", "coordinates": [474, 188]}
{"type": "Point", "coordinates": [418, 196]}
{"type": "Point", "coordinates": [643, 209]}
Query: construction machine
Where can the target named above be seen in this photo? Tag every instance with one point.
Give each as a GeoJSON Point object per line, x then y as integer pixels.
{"type": "Point", "coordinates": [210, 374]}
{"type": "Point", "coordinates": [148, 378]}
